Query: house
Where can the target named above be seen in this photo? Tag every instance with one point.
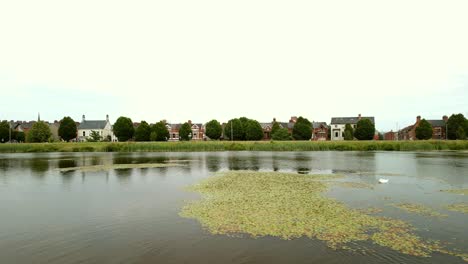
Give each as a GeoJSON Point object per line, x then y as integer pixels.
{"type": "Point", "coordinates": [319, 131]}
{"type": "Point", "coordinates": [337, 125]}
{"type": "Point", "coordinates": [103, 127]}
{"type": "Point", "coordinates": [391, 135]}
{"type": "Point", "coordinates": [198, 131]}
{"type": "Point", "coordinates": [439, 128]}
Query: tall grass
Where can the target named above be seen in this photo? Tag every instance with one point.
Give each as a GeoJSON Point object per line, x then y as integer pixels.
{"type": "Point", "coordinates": [194, 146]}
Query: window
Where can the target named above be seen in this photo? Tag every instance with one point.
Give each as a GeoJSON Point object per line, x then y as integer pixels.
{"type": "Point", "coordinates": [84, 133]}
{"type": "Point", "coordinates": [336, 133]}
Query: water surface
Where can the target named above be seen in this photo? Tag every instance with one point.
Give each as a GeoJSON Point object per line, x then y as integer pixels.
{"type": "Point", "coordinates": [131, 215]}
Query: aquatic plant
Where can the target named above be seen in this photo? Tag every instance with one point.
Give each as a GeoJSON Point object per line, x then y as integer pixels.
{"type": "Point", "coordinates": [119, 167]}
{"type": "Point", "coordinates": [419, 209]}
{"type": "Point", "coordinates": [456, 191]}
{"type": "Point", "coordinates": [458, 207]}
{"type": "Point", "coordinates": [290, 206]}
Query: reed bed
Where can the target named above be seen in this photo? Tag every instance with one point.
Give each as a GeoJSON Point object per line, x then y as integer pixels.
{"type": "Point", "coordinates": [198, 146]}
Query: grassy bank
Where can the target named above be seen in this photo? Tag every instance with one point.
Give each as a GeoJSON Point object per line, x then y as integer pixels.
{"type": "Point", "coordinates": [236, 146]}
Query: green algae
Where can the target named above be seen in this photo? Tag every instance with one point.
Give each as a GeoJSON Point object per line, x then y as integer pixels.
{"type": "Point", "coordinates": [458, 207]}
{"type": "Point", "coordinates": [289, 206]}
{"type": "Point", "coordinates": [456, 191]}
{"type": "Point", "coordinates": [418, 209]}
{"type": "Point", "coordinates": [359, 185]}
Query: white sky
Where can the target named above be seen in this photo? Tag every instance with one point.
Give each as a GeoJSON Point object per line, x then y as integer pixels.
{"type": "Point", "coordinates": [199, 60]}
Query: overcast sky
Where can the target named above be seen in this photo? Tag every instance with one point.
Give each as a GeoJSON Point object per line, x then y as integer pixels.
{"type": "Point", "coordinates": [199, 60]}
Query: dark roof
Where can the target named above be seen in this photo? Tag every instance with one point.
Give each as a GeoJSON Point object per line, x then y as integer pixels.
{"type": "Point", "coordinates": [437, 123]}
{"type": "Point", "coordinates": [350, 120]}
{"type": "Point", "coordinates": [92, 124]}
{"type": "Point", "coordinates": [318, 124]}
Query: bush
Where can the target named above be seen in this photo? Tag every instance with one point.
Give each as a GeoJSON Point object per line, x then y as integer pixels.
{"type": "Point", "coordinates": [143, 132]}
{"type": "Point", "coordinates": [185, 132]}
{"type": "Point", "coordinates": [39, 132]}
{"type": "Point", "coordinates": [281, 134]}
{"type": "Point", "coordinates": [348, 132]}
{"type": "Point", "coordinates": [159, 132]}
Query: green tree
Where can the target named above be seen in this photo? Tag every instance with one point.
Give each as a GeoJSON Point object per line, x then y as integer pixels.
{"type": "Point", "coordinates": [253, 130]}
{"type": "Point", "coordinates": [213, 129]}
{"type": "Point", "coordinates": [143, 132]}
{"type": "Point", "coordinates": [4, 131]}
{"type": "Point", "coordinates": [39, 132]}
{"type": "Point", "coordinates": [461, 133]}
{"type": "Point", "coordinates": [365, 130]}
{"type": "Point", "coordinates": [237, 130]}
{"type": "Point", "coordinates": [274, 127]}
{"type": "Point", "coordinates": [424, 130]}
{"type": "Point", "coordinates": [454, 123]}
{"type": "Point", "coordinates": [348, 132]}
{"type": "Point", "coordinates": [94, 136]}
{"type": "Point", "coordinates": [123, 129]}
{"type": "Point", "coordinates": [159, 132]}
{"type": "Point", "coordinates": [185, 132]}
{"type": "Point", "coordinates": [18, 136]}
{"type": "Point", "coordinates": [281, 134]}
{"type": "Point", "coordinates": [302, 129]}
{"type": "Point", "coordinates": [67, 129]}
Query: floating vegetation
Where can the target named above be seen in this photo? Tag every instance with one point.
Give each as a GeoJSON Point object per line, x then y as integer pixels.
{"type": "Point", "coordinates": [418, 209]}
{"type": "Point", "coordinates": [457, 191]}
{"type": "Point", "coordinates": [119, 167]}
{"type": "Point", "coordinates": [458, 207]}
{"type": "Point", "coordinates": [360, 185]}
{"type": "Point", "coordinates": [371, 210]}
{"type": "Point", "coordinates": [290, 206]}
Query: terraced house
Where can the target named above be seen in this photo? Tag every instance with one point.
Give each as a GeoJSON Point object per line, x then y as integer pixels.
{"type": "Point", "coordinates": [439, 129]}
{"type": "Point", "coordinates": [198, 131]}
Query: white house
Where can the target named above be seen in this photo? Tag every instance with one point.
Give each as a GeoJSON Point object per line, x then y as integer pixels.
{"type": "Point", "coordinates": [103, 127]}
{"type": "Point", "coordinates": [337, 125]}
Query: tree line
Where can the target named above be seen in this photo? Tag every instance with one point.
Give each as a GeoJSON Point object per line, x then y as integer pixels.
{"type": "Point", "coordinates": [241, 128]}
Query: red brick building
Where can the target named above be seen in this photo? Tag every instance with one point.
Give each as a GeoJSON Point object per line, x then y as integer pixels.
{"type": "Point", "coordinates": [439, 127]}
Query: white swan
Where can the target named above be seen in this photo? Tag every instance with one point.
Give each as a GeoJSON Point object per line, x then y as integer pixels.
{"type": "Point", "coordinates": [383, 180]}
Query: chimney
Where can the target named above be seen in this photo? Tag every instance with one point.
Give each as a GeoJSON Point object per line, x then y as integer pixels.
{"type": "Point", "coordinates": [107, 118]}
{"type": "Point", "coordinates": [293, 119]}
{"type": "Point", "coordinates": [190, 122]}
{"type": "Point", "coordinates": [445, 118]}
{"type": "Point", "coordinates": [83, 118]}
{"type": "Point", "coordinates": [274, 119]}
{"type": "Point", "coordinates": [418, 119]}
{"type": "Point", "coordinates": [359, 117]}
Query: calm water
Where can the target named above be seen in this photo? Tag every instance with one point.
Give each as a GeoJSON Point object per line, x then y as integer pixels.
{"type": "Point", "coordinates": [131, 216]}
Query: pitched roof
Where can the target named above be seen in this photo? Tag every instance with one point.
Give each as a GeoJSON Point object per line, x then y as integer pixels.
{"type": "Point", "coordinates": [92, 124]}
{"type": "Point", "coordinates": [318, 124]}
{"type": "Point", "coordinates": [437, 123]}
{"type": "Point", "coordinates": [350, 120]}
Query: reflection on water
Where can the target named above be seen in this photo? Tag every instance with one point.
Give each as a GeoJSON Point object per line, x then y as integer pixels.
{"type": "Point", "coordinates": [131, 215]}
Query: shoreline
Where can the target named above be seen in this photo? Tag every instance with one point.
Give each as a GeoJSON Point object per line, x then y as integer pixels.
{"type": "Point", "coordinates": [216, 146]}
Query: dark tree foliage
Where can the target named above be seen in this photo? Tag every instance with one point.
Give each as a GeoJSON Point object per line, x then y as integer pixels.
{"type": "Point", "coordinates": [381, 136]}
{"type": "Point", "coordinates": [329, 133]}
{"type": "Point", "coordinates": [185, 132]}
{"type": "Point", "coordinates": [275, 127]}
{"type": "Point", "coordinates": [19, 136]}
{"type": "Point", "coordinates": [39, 132]}
{"type": "Point", "coordinates": [424, 130]}
{"type": "Point", "coordinates": [213, 129]}
{"type": "Point", "coordinates": [454, 123]}
{"type": "Point", "coordinates": [143, 132]}
{"type": "Point", "coordinates": [348, 132]}
{"type": "Point", "coordinates": [123, 129]}
{"type": "Point", "coordinates": [237, 130]}
{"type": "Point", "coordinates": [461, 134]}
{"type": "Point", "coordinates": [302, 129]}
{"type": "Point", "coordinates": [281, 134]}
{"type": "Point", "coordinates": [365, 130]}
{"type": "Point", "coordinates": [4, 131]}
{"type": "Point", "coordinates": [253, 130]}
{"type": "Point", "coordinates": [159, 132]}
{"type": "Point", "coordinates": [67, 129]}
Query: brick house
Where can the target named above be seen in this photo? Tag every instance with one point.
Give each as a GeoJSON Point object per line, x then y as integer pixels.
{"type": "Point", "coordinates": [198, 131]}
{"type": "Point", "coordinates": [319, 131]}
{"type": "Point", "coordinates": [438, 129]}
{"type": "Point", "coordinates": [391, 135]}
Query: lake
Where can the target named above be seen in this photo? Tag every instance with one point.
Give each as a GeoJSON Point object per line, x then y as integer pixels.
{"type": "Point", "coordinates": [132, 215]}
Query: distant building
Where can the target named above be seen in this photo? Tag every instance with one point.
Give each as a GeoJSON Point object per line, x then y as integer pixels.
{"type": "Point", "coordinates": [198, 131]}
{"type": "Point", "coordinates": [319, 131]}
{"type": "Point", "coordinates": [391, 135]}
{"type": "Point", "coordinates": [439, 127]}
{"type": "Point", "coordinates": [337, 125]}
{"type": "Point", "coordinates": [103, 127]}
